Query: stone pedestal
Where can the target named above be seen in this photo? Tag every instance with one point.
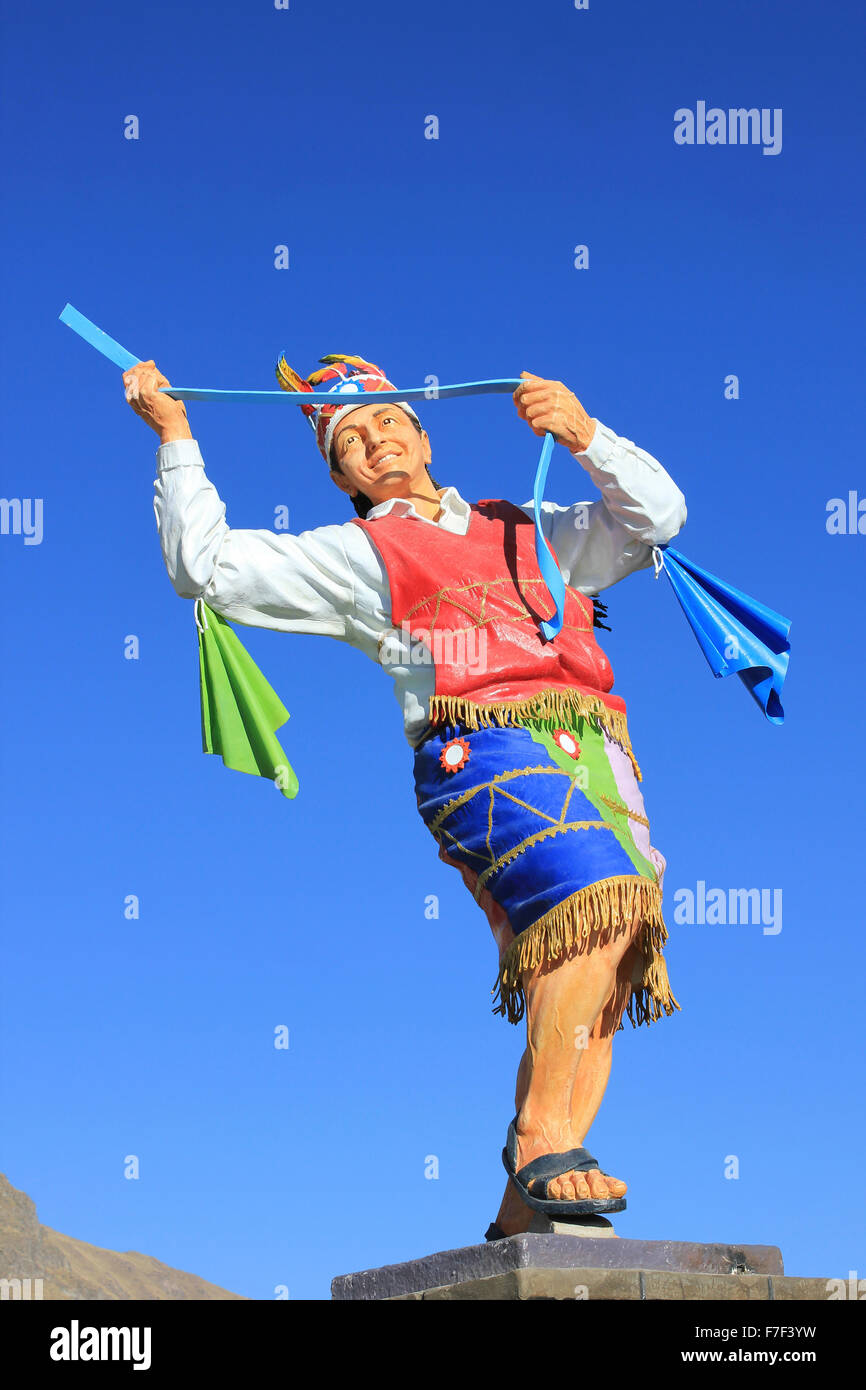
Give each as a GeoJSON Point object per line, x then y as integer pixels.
{"type": "Point", "coordinates": [571, 1260]}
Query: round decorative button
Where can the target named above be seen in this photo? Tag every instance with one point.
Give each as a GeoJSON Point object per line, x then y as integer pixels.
{"type": "Point", "coordinates": [455, 754]}
{"type": "Point", "coordinates": [567, 742]}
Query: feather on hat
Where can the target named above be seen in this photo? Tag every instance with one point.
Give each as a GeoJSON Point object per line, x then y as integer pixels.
{"type": "Point", "coordinates": [350, 375]}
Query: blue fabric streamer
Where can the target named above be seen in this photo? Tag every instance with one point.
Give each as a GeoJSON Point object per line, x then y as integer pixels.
{"type": "Point", "coordinates": [736, 633]}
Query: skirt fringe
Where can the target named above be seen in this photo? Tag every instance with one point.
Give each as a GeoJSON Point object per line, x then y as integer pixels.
{"type": "Point", "coordinates": [594, 915]}
{"type": "Point", "coordinates": [552, 707]}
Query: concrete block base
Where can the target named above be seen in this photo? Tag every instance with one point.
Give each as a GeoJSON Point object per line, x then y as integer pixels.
{"type": "Point", "coordinates": [581, 1265]}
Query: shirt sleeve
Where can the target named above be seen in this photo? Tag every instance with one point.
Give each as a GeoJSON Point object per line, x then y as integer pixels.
{"type": "Point", "coordinates": [292, 583]}
{"type": "Point", "coordinates": [597, 543]}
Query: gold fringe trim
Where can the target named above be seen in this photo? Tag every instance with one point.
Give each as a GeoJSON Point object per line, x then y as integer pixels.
{"type": "Point", "coordinates": [623, 810]}
{"type": "Point", "coordinates": [547, 706]}
{"type": "Point", "coordinates": [604, 908]}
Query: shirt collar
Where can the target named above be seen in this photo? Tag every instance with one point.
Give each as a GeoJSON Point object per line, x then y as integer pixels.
{"type": "Point", "coordinates": [454, 510]}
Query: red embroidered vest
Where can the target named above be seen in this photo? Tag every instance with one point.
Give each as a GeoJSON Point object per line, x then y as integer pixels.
{"type": "Point", "coordinates": [476, 601]}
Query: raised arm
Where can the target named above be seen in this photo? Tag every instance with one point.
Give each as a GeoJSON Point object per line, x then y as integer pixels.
{"type": "Point", "coordinates": [597, 543]}
{"type": "Point", "coordinates": [292, 583]}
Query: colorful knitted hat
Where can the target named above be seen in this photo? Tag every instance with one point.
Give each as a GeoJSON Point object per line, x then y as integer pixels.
{"type": "Point", "coordinates": [350, 375]}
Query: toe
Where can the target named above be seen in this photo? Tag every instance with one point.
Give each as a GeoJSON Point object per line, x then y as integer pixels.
{"type": "Point", "coordinates": [579, 1187]}
{"type": "Point", "coordinates": [598, 1184]}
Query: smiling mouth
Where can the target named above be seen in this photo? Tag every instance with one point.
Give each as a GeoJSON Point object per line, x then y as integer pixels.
{"type": "Point", "coordinates": [386, 458]}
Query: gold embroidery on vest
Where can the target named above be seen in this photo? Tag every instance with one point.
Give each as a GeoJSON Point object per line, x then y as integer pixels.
{"type": "Point", "coordinates": [519, 611]}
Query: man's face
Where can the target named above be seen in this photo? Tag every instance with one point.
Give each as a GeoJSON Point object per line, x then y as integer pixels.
{"type": "Point", "coordinates": [380, 453]}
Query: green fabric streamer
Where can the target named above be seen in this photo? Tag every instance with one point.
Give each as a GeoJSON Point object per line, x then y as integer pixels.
{"type": "Point", "coordinates": [239, 710]}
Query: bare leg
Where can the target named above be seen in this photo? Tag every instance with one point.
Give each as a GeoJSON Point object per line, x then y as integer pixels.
{"type": "Point", "coordinates": [560, 1084]}
{"type": "Point", "coordinates": [572, 1013]}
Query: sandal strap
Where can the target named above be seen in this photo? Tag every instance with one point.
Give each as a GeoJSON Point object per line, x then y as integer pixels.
{"type": "Point", "coordinates": [548, 1165]}
{"type": "Point", "coordinates": [554, 1165]}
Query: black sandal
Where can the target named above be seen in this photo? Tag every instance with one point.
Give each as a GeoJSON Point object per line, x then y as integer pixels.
{"type": "Point", "coordinates": [541, 1170]}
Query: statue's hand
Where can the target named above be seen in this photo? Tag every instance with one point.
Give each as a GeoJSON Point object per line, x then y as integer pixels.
{"type": "Point", "coordinates": [166, 416]}
{"type": "Point", "coordinates": [549, 405]}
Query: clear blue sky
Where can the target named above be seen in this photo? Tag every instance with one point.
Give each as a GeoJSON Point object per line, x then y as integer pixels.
{"type": "Point", "coordinates": [454, 256]}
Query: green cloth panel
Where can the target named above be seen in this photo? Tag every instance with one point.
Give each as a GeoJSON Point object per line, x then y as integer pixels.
{"type": "Point", "coordinates": [600, 778]}
{"type": "Point", "coordinates": [239, 709]}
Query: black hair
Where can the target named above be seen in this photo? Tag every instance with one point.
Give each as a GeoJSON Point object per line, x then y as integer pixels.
{"type": "Point", "coordinates": [599, 611]}
{"type": "Point", "coordinates": [362, 503]}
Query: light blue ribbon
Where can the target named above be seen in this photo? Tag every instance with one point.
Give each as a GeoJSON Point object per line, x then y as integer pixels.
{"type": "Point", "coordinates": [548, 567]}
{"type": "Point", "coordinates": [96, 338]}
{"type": "Point", "coordinates": [413, 393]}
{"type": "Point", "coordinates": [550, 571]}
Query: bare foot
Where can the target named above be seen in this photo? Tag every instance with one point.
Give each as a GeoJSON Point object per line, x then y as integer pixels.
{"type": "Point", "coordinates": [581, 1186]}
{"type": "Point", "coordinates": [515, 1216]}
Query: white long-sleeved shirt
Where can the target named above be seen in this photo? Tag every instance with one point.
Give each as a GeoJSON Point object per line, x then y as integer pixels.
{"type": "Point", "coordinates": [330, 580]}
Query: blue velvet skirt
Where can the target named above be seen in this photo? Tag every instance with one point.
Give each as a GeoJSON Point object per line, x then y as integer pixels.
{"type": "Point", "coordinates": [551, 823]}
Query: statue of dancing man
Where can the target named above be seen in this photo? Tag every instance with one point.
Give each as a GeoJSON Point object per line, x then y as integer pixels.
{"type": "Point", "coordinates": [523, 768]}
